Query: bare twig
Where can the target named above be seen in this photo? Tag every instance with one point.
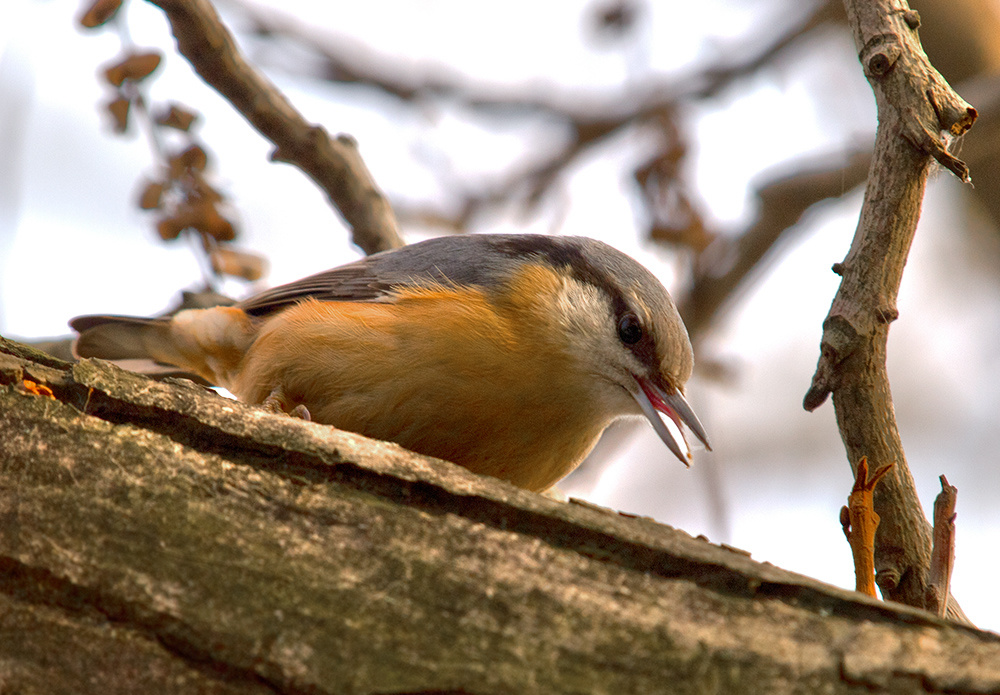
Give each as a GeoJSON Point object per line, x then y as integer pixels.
{"type": "Point", "coordinates": [915, 104]}
{"type": "Point", "coordinates": [589, 118]}
{"type": "Point", "coordinates": [333, 163]}
{"type": "Point", "coordinates": [349, 61]}
{"type": "Point", "coordinates": [943, 552]}
{"type": "Point", "coordinates": [730, 264]}
{"type": "Point", "coordinates": [860, 522]}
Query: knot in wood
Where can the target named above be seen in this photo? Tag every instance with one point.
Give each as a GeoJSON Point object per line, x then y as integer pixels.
{"type": "Point", "coordinates": [879, 54]}
{"type": "Point", "coordinates": [880, 63]}
{"type": "Point", "coordinates": [887, 579]}
{"type": "Point", "coordinates": [840, 338]}
{"type": "Point", "coordinates": [912, 19]}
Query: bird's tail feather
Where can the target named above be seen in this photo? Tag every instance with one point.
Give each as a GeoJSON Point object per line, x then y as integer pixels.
{"type": "Point", "coordinates": [207, 342]}
{"type": "Point", "coordinates": [123, 338]}
{"type": "Point", "coordinates": [131, 343]}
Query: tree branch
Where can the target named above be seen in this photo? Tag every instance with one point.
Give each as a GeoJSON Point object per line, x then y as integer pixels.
{"type": "Point", "coordinates": [590, 119]}
{"type": "Point", "coordinates": [914, 104]}
{"type": "Point", "coordinates": [334, 164]}
{"type": "Point", "coordinates": [156, 537]}
{"type": "Point", "coordinates": [860, 522]}
{"type": "Point", "coordinates": [943, 548]}
{"type": "Point", "coordinates": [350, 61]}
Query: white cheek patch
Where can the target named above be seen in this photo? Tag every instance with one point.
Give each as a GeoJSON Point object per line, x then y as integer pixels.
{"type": "Point", "coordinates": [583, 309]}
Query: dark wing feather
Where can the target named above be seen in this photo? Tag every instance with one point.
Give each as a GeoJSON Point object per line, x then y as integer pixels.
{"type": "Point", "coordinates": [459, 260]}
{"type": "Point", "coordinates": [348, 283]}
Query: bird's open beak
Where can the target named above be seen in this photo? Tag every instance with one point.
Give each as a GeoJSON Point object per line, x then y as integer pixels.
{"type": "Point", "coordinates": [652, 398]}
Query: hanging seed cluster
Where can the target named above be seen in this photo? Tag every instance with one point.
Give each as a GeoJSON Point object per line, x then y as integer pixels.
{"type": "Point", "coordinates": [180, 193]}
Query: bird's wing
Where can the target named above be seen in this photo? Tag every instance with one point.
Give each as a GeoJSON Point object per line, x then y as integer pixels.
{"type": "Point", "coordinates": [353, 282]}
{"type": "Point", "coordinates": [462, 261]}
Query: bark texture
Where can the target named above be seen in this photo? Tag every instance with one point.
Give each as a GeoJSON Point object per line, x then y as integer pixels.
{"type": "Point", "coordinates": [156, 537]}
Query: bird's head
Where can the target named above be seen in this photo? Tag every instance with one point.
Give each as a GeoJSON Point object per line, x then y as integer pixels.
{"type": "Point", "coordinates": [619, 325]}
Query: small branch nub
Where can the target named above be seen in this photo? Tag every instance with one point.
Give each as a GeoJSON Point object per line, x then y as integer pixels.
{"type": "Point", "coordinates": [887, 314]}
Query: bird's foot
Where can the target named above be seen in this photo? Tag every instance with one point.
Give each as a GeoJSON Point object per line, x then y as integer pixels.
{"type": "Point", "coordinates": [277, 403]}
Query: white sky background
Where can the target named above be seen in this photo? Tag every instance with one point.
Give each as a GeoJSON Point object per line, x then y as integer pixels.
{"type": "Point", "coordinates": [72, 242]}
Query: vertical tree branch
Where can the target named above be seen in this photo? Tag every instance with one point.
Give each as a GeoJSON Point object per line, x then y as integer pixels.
{"type": "Point", "coordinates": [914, 105]}
{"type": "Point", "coordinates": [943, 550]}
{"type": "Point", "coordinates": [334, 164]}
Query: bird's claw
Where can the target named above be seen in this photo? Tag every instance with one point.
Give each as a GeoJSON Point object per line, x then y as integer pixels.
{"type": "Point", "coordinates": [277, 404]}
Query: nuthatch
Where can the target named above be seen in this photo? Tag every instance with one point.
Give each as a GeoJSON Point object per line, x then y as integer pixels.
{"type": "Point", "coordinates": [506, 354]}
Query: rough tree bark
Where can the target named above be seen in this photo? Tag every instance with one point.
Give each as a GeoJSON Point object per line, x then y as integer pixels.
{"type": "Point", "coordinates": [156, 537]}
{"type": "Point", "coordinates": [915, 105]}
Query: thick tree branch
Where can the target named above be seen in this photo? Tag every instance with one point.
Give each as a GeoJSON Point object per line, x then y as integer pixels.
{"type": "Point", "coordinates": [158, 537]}
{"type": "Point", "coordinates": [334, 164]}
{"type": "Point", "coordinates": [915, 105]}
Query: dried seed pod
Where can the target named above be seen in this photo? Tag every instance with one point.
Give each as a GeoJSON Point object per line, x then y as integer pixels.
{"type": "Point", "coordinates": [176, 117]}
{"type": "Point", "coordinates": [241, 264]}
{"type": "Point", "coordinates": [135, 66]}
{"type": "Point", "coordinates": [99, 13]}
{"type": "Point", "coordinates": [151, 197]}
{"type": "Point", "coordinates": [170, 228]}
{"type": "Point", "coordinates": [119, 109]}
{"type": "Point", "coordinates": [194, 158]}
{"type": "Point", "coordinates": [211, 222]}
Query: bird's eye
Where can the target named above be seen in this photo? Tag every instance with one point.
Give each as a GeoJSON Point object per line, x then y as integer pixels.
{"type": "Point", "coordinates": [629, 330]}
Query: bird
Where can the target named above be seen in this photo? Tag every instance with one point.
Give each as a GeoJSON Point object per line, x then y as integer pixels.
{"type": "Point", "coordinates": [508, 354]}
